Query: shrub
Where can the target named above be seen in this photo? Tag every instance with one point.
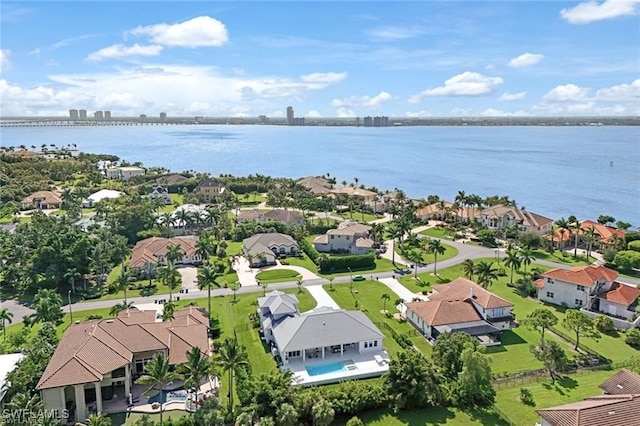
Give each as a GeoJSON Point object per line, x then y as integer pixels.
{"type": "Point", "coordinates": [627, 259]}
{"type": "Point", "coordinates": [94, 317]}
{"type": "Point", "coordinates": [634, 245]}
{"type": "Point", "coordinates": [632, 337]}
{"type": "Point", "coordinates": [603, 323]}
{"type": "Point", "coordinates": [609, 254]}
{"type": "Point", "coordinates": [355, 421]}
{"type": "Point", "coordinates": [526, 397]}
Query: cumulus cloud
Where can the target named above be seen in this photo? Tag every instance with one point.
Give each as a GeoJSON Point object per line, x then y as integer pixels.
{"type": "Point", "coordinates": [361, 101]}
{"type": "Point", "coordinates": [593, 11]}
{"type": "Point", "coordinates": [314, 113]}
{"type": "Point", "coordinates": [512, 96]}
{"type": "Point", "coordinates": [4, 59]}
{"type": "Point", "coordinates": [525, 60]}
{"type": "Point", "coordinates": [492, 112]}
{"type": "Point", "coordinates": [117, 51]}
{"type": "Point", "coordinates": [465, 84]}
{"type": "Point", "coordinates": [417, 114]}
{"type": "Point", "coordinates": [622, 92]}
{"type": "Point", "coordinates": [567, 93]}
{"type": "Point", "coordinates": [345, 113]}
{"type": "Point", "coordinates": [323, 77]}
{"type": "Point", "coordinates": [196, 32]}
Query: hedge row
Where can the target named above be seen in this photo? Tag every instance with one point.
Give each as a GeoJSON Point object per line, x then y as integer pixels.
{"type": "Point", "coordinates": [343, 263]}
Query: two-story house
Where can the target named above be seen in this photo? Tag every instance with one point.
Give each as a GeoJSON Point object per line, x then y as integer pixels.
{"type": "Point", "coordinates": [160, 194]}
{"type": "Point", "coordinates": [154, 250]}
{"type": "Point", "coordinates": [499, 217]}
{"type": "Point", "coordinates": [209, 189]}
{"type": "Point", "coordinates": [124, 172]}
{"type": "Point", "coordinates": [462, 305]}
{"type": "Point", "coordinates": [349, 237]}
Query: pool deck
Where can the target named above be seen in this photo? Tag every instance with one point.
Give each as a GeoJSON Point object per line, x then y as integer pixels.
{"type": "Point", "coordinates": [373, 364]}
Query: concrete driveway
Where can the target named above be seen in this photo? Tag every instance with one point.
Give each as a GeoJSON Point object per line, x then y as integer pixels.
{"type": "Point", "coordinates": [322, 297]}
{"type": "Point", "coordinates": [246, 274]}
{"type": "Point", "coordinates": [189, 276]}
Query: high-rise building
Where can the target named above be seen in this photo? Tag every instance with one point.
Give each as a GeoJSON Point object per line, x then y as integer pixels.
{"type": "Point", "coordinates": [73, 114]}
{"type": "Point", "coordinates": [298, 121]}
{"type": "Point", "coordinates": [357, 121]}
{"type": "Point", "coordinates": [290, 115]}
{"type": "Point", "coordinates": [163, 116]}
{"type": "Point", "coordinates": [98, 115]}
{"type": "Point", "coordinates": [143, 117]}
{"type": "Point", "coordinates": [107, 115]}
{"type": "Point", "coordinates": [368, 121]}
{"type": "Point", "coordinates": [83, 114]}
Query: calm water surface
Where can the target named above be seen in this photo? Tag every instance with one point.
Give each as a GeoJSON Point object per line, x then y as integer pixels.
{"type": "Point", "coordinates": [554, 171]}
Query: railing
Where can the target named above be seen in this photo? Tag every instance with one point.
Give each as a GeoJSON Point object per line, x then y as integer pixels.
{"type": "Point", "coordinates": [572, 340]}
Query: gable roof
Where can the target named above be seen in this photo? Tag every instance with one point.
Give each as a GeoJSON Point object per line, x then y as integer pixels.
{"type": "Point", "coordinates": [605, 232]}
{"type": "Point", "coordinates": [525, 217]}
{"type": "Point", "coordinates": [443, 312]}
{"type": "Point", "coordinates": [316, 185]}
{"type": "Point", "coordinates": [354, 192]}
{"type": "Point", "coordinates": [621, 293]}
{"type": "Point", "coordinates": [148, 250]}
{"type": "Point", "coordinates": [582, 275]}
{"type": "Point", "coordinates": [269, 239]}
{"type": "Point", "coordinates": [603, 410]}
{"type": "Point", "coordinates": [462, 289]}
{"type": "Point", "coordinates": [89, 350]}
{"type": "Point", "coordinates": [47, 197]}
{"type": "Point", "coordinates": [171, 179]}
{"type": "Point", "coordinates": [324, 327]}
{"type": "Point", "coordinates": [623, 382]}
{"type": "Point", "coordinates": [284, 216]}
{"type": "Point", "coordinates": [209, 183]}
{"type": "Point", "coordinates": [278, 302]}
{"type": "Point", "coordinates": [349, 227]}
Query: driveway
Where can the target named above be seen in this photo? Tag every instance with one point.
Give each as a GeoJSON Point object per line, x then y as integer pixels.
{"type": "Point", "coordinates": [189, 276]}
{"type": "Point", "coordinates": [402, 292]}
{"type": "Point", "coordinates": [246, 275]}
{"type": "Point", "coordinates": [322, 297]}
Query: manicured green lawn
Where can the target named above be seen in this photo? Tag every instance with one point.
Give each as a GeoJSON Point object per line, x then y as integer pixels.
{"type": "Point", "coordinates": [382, 265]}
{"type": "Point", "coordinates": [10, 219]}
{"type": "Point", "coordinates": [361, 217]}
{"type": "Point", "coordinates": [277, 275]}
{"type": "Point", "coordinates": [176, 199]}
{"type": "Point", "coordinates": [367, 297]}
{"type": "Point", "coordinates": [429, 416]}
{"type": "Point", "coordinates": [567, 259]}
{"type": "Point", "coordinates": [428, 258]}
{"type": "Point", "coordinates": [128, 419]}
{"type": "Point", "coordinates": [250, 199]}
{"type": "Point", "coordinates": [573, 388]}
{"type": "Point", "coordinates": [234, 248]}
{"type": "Point", "coordinates": [436, 232]}
{"type": "Point", "coordinates": [303, 262]}
{"type": "Point", "coordinates": [419, 285]}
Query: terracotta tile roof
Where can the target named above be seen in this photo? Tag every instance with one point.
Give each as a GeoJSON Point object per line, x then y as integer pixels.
{"type": "Point", "coordinates": [462, 288]}
{"type": "Point", "coordinates": [149, 249]}
{"type": "Point", "coordinates": [357, 192]}
{"type": "Point", "coordinates": [89, 350]}
{"type": "Point", "coordinates": [623, 382]}
{"type": "Point", "coordinates": [250, 215]}
{"type": "Point", "coordinates": [434, 209]}
{"type": "Point", "coordinates": [363, 242]}
{"type": "Point", "coordinates": [442, 312]}
{"type": "Point", "coordinates": [604, 232]}
{"type": "Point", "coordinates": [582, 275]}
{"type": "Point", "coordinates": [539, 283]}
{"type": "Point", "coordinates": [621, 293]}
{"type": "Point", "coordinates": [604, 410]}
{"type": "Point", "coordinates": [46, 197]}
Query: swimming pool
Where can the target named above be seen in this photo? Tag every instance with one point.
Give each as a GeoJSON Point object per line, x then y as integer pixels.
{"type": "Point", "coordinates": [169, 396]}
{"type": "Point", "coordinates": [331, 367]}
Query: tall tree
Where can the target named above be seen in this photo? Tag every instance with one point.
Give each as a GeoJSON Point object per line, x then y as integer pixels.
{"type": "Point", "coordinates": [231, 358]}
{"type": "Point", "coordinates": [156, 375]}
{"type": "Point", "coordinates": [540, 320]}
{"type": "Point", "coordinates": [580, 324]}
{"type": "Point", "coordinates": [435, 246]}
{"type": "Point", "coordinates": [590, 237]}
{"type": "Point", "coordinates": [384, 298]}
{"type": "Point", "coordinates": [563, 227]}
{"type": "Point", "coordinates": [574, 227]}
{"type": "Point", "coordinates": [119, 307]}
{"type": "Point", "coordinates": [48, 307]}
{"type": "Point", "coordinates": [197, 368]}
{"type": "Point", "coordinates": [447, 353]}
{"type": "Point", "coordinates": [512, 260]}
{"type": "Point", "coordinates": [468, 268]}
{"type": "Point", "coordinates": [412, 381]}
{"type": "Point", "coordinates": [526, 256]}
{"type": "Point", "coordinates": [552, 355]}
{"type": "Point", "coordinates": [123, 281]}
{"type": "Point", "coordinates": [206, 278]}
{"type": "Point", "coordinates": [473, 384]}
{"type": "Point", "coordinates": [486, 273]}
{"type": "Point", "coordinates": [5, 317]}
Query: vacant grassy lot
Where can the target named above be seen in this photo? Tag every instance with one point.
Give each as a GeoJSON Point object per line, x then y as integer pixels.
{"type": "Point", "coordinates": [565, 257]}
{"type": "Point", "coordinates": [277, 275]}
{"type": "Point", "coordinates": [428, 258]}
{"type": "Point", "coordinates": [361, 217]}
{"type": "Point", "coordinates": [572, 388]}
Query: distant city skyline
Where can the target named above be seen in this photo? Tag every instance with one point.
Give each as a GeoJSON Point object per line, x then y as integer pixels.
{"type": "Point", "coordinates": [324, 59]}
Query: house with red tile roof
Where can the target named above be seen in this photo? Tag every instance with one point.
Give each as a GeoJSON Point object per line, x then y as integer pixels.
{"type": "Point", "coordinates": [606, 235]}
{"type": "Point", "coordinates": [42, 200]}
{"type": "Point", "coordinates": [96, 361]}
{"type": "Point", "coordinates": [621, 300]}
{"type": "Point", "coordinates": [154, 250]}
{"type": "Point", "coordinates": [462, 306]}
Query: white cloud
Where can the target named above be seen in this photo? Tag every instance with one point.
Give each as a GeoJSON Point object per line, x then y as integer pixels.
{"type": "Point", "coordinates": [34, 52]}
{"type": "Point", "coordinates": [5, 64]}
{"type": "Point", "coordinates": [622, 92]}
{"type": "Point", "coordinates": [361, 101]}
{"type": "Point", "coordinates": [389, 32]}
{"type": "Point", "coordinates": [196, 32]}
{"type": "Point", "coordinates": [525, 60]}
{"type": "Point", "coordinates": [492, 112]}
{"type": "Point", "coordinates": [345, 113]}
{"type": "Point", "coordinates": [465, 84]}
{"type": "Point", "coordinates": [417, 114]}
{"type": "Point", "coordinates": [323, 77]}
{"type": "Point", "coordinates": [314, 113]}
{"type": "Point", "coordinates": [240, 111]}
{"type": "Point", "coordinates": [567, 93]}
{"type": "Point", "coordinates": [512, 96]}
{"type": "Point", "coordinates": [593, 11]}
{"type": "Point", "coordinates": [120, 51]}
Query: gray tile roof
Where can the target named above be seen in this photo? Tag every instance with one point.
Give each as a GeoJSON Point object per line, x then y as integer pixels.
{"type": "Point", "coordinates": [324, 327]}
{"type": "Point", "coordinates": [279, 302]}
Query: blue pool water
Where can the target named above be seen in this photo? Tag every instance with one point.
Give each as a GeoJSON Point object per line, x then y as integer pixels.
{"type": "Point", "coordinates": [168, 396]}
{"type": "Point", "coordinates": [332, 367]}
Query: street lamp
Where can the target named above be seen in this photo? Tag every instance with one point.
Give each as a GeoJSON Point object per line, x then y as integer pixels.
{"type": "Point", "coordinates": [70, 311]}
{"type": "Point", "coordinates": [351, 279]}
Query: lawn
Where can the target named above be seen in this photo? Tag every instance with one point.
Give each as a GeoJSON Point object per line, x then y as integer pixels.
{"type": "Point", "coordinates": [277, 275]}
{"type": "Point", "coordinates": [436, 232]}
{"type": "Point", "coordinates": [128, 419]}
{"type": "Point", "coordinates": [429, 416]}
{"type": "Point", "coordinates": [572, 388]}
{"type": "Point", "coordinates": [417, 285]}
{"type": "Point", "coordinates": [361, 217]}
{"type": "Point", "coordinates": [11, 219]}
{"type": "Point", "coordinates": [382, 265]}
{"type": "Point", "coordinates": [176, 200]}
{"type": "Point", "coordinates": [367, 296]}
{"type": "Point", "coordinates": [428, 258]}
{"type": "Point", "coordinates": [562, 257]}
{"type": "Point", "coordinates": [251, 199]}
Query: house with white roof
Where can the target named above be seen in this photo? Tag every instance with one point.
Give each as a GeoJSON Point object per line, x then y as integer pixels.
{"type": "Point", "coordinates": [103, 194]}
{"type": "Point", "coordinates": [334, 343]}
{"type": "Point", "coordinates": [349, 237]}
{"type": "Point", "coordinates": [124, 172]}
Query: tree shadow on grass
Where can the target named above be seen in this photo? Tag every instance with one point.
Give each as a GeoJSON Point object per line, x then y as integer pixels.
{"type": "Point", "coordinates": [421, 417]}
{"type": "Point", "coordinates": [486, 416]}
{"type": "Point", "coordinates": [563, 384]}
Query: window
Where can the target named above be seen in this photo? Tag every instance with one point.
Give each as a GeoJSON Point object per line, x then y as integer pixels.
{"type": "Point", "coordinates": [578, 302]}
{"type": "Point", "coordinates": [549, 280]}
{"type": "Point", "coordinates": [375, 343]}
{"type": "Point", "coordinates": [120, 372]}
{"type": "Point", "coordinates": [332, 237]}
{"type": "Point", "coordinates": [581, 288]}
{"type": "Point", "coordinates": [550, 295]}
{"type": "Point", "coordinates": [366, 344]}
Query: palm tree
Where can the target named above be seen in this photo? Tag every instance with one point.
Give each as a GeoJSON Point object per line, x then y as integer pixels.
{"type": "Point", "coordinates": [299, 282]}
{"type": "Point", "coordinates": [204, 248]}
{"type": "Point", "coordinates": [486, 273]}
{"type": "Point", "coordinates": [149, 270]}
{"type": "Point", "coordinates": [168, 309]}
{"type": "Point", "coordinates": [156, 374]}
{"type": "Point", "coordinates": [397, 233]}
{"type": "Point", "coordinates": [469, 268]}
{"type": "Point", "coordinates": [526, 256]}
{"type": "Point", "coordinates": [415, 257]}
{"type": "Point", "coordinates": [169, 275]}
{"type": "Point", "coordinates": [435, 246]}
{"type": "Point", "coordinates": [174, 253]}
{"type": "Point", "coordinates": [231, 357]}
{"type": "Point", "coordinates": [122, 282]}
{"type": "Point", "coordinates": [461, 199]}
{"type": "Point", "coordinates": [197, 367]}
{"type": "Point", "coordinates": [330, 278]}
{"type": "Point", "coordinates": [119, 307]}
{"type": "Point", "coordinates": [206, 278]}
{"type": "Point", "coordinates": [384, 298]}
{"type": "Point", "coordinates": [590, 237]}
{"type": "Point", "coordinates": [5, 317]}
{"type": "Point", "coordinates": [574, 226]}
{"type": "Point", "coordinates": [184, 218]}
{"type": "Point", "coordinates": [512, 260]}
{"type": "Point", "coordinates": [563, 226]}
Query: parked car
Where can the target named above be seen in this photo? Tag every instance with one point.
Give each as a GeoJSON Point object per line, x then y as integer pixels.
{"type": "Point", "coordinates": [359, 278]}
{"type": "Point", "coordinates": [402, 271]}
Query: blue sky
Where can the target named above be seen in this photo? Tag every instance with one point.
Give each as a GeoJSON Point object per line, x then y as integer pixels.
{"type": "Point", "coordinates": [326, 59]}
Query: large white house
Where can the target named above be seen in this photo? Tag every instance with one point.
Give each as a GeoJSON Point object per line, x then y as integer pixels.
{"type": "Point", "coordinates": [500, 217]}
{"type": "Point", "coordinates": [462, 305]}
{"type": "Point", "coordinates": [124, 172]}
{"type": "Point", "coordinates": [349, 237]}
{"type": "Point", "coordinates": [103, 194]}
